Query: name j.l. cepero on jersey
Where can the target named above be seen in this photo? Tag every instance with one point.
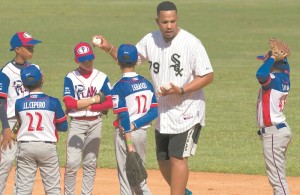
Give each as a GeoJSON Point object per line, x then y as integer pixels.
{"type": "Point", "coordinates": [139, 86]}
{"type": "Point", "coordinates": [30, 105]}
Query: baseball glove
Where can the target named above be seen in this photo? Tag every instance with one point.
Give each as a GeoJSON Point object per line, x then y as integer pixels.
{"type": "Point", "coordinates": [279, 49]}
{"type": "Point", "coordinates": [135, 170]}
{"type": "Point", "coordinates": [14, 131]}
{"type": "Point", "coordinates": [102, 99]}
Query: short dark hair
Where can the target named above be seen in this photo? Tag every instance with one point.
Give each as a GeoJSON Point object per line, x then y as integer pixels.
{"type": "Point", "coordinates": [33, 86]}
{"type": "Point", "coordinates": [165, 6]}
{"type": "Point", "coordinates": [127, 64]}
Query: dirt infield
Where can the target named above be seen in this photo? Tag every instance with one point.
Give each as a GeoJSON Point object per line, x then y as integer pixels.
{"type": "Point", "coordinates": [106, 182]}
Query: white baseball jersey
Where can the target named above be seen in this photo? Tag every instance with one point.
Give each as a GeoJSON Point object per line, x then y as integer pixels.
{"type": "Point", "coordinates": [271, 100]}
{"type": "Point", "coordinates": [178, 61]}
{"type": "Point", "coordinates": [39, 114]}
{"type": "Point", "coordinates": [11, 86]}
{"type": "Point", "coordinates": [78, 87]}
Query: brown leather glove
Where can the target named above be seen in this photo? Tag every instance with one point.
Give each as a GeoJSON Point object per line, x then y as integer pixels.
{"type": "Point", "coordinates": [279, 49]}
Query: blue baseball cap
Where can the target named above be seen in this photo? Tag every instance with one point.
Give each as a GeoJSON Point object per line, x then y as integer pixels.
{"type": "Point", "coordinates": [32, 72]}
{"type": "Point", "coordinates": [283, 65]}
{"type": "Point", "coordinates": [83, 52]}
{"type": "Point", "coordinates": [127, 53]}
{"type": "Point", "coordinates": [22, 39]}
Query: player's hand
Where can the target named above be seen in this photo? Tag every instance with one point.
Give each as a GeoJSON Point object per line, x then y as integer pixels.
{"type": "Point", "coordinates": [97, 99]}
{"type": "Point", "coordinates": [13, 137]}
{"type": "Point", "coordinates": [105, 45]}
{"type": "Point", "coordinates": [6, 141]}
{"type": "Point", "coordinates": [130, 148]}
{"type": "Point", "coordinates": [132, 127]}
{"type": "Point", "coordinates": [174, 90]}
{"type": "Point", "coordinates": [122, 131]}
{"type": "Point", "coordinates": [267, 55]}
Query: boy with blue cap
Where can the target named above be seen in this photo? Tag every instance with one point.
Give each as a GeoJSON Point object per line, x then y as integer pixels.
{"type": "Point", "coordinates": [136, 106]}
{"type": "Point", "coordinates": [40, 116]}
{"type": "Point", "coordinates": [11, 89]}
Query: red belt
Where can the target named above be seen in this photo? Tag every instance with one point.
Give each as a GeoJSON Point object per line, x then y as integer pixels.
{"type": "Point", "coordinates": [86, 118]}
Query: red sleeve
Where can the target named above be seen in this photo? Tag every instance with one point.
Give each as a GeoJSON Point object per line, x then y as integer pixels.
{"type": "Point", "coordinates": [70, 102]}
{"type": "Point", "coordinates": [104, 106]}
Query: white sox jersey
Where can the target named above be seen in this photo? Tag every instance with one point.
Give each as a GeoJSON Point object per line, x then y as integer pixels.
{"type": "Point", "coordinates": [78, 87]}
{"type": "Point", "coordinates": [11, 86]}
{"type": "Point", "coordinates": [271, 100]}
{"type": "Point", "coordinates": [134, 94]}
{"type": "Point", "coordinates": [39, 114]}
{"type": "Point", "coordinates": [178, 61]}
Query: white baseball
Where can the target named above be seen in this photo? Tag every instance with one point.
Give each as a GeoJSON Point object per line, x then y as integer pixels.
{"type": "Point", "coordinates": [167, 86]}
{"type": "Point", "coordinates": [97, 41]}
{"type": "Point", "coordinates": [158, 91]}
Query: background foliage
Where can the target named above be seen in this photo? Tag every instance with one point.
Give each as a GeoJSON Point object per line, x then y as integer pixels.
{"type": "Point", "coordinates": [233, 32]}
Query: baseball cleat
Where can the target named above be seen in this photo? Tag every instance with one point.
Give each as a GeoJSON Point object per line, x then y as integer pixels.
{"type": "Point", "coordinates": [187, 192]}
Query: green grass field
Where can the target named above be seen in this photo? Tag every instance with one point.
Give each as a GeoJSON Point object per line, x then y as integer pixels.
{"type": "Point", "coordinates": [233, 32]}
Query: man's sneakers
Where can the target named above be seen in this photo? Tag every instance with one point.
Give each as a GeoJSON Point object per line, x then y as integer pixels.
{"type": "Point", "coordinates": [187, 192]}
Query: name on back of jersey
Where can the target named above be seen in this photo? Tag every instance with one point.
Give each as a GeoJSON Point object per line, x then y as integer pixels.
{"type": "Point", "coordinates": [33, 105]}
{"type": "Point", "coordinates": [139, 86]}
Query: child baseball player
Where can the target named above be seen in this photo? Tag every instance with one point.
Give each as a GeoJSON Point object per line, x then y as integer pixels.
{"type": "Point", "coordinates": [136, 106]}
{"type": "Point", "coordinates": [40, 116]}
{"type": "Point", "coordinates": [275, 133]}
{"type": "Point", "coordinates": [83, 106]}
{"type": "Point", "coordinates": [11, 89]}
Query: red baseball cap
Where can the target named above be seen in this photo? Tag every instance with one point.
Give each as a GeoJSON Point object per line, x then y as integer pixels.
{"type": "Point", "coordinates": [22, 39]}
{"type": "Point", "coordinates": [83, 52]}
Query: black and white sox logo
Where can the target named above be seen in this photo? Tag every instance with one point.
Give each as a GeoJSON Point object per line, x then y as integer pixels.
{"type": "Point", "coordinates": [175, 58]}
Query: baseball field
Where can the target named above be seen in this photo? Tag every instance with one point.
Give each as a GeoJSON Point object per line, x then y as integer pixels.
{"type": "Point", "coordinates": [233, 32]}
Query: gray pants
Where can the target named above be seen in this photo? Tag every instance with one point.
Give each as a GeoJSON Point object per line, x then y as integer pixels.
{"type": "Point", "coordinates": [30, 157]}
{"type": "Point", "coordinates": [83, 144]}
{"type": "Point", "coordinates": [7, 160]}
{"type": "Point", "coordinates": [139, 139]}
{"type": "Point", "coordinates": [275, 143]}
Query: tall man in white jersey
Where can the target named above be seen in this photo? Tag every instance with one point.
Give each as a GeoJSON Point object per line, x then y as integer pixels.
{"type": "Point", "coordinates": [177, 57]}
{"type": "Point", "coordinates": [11, 89]}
